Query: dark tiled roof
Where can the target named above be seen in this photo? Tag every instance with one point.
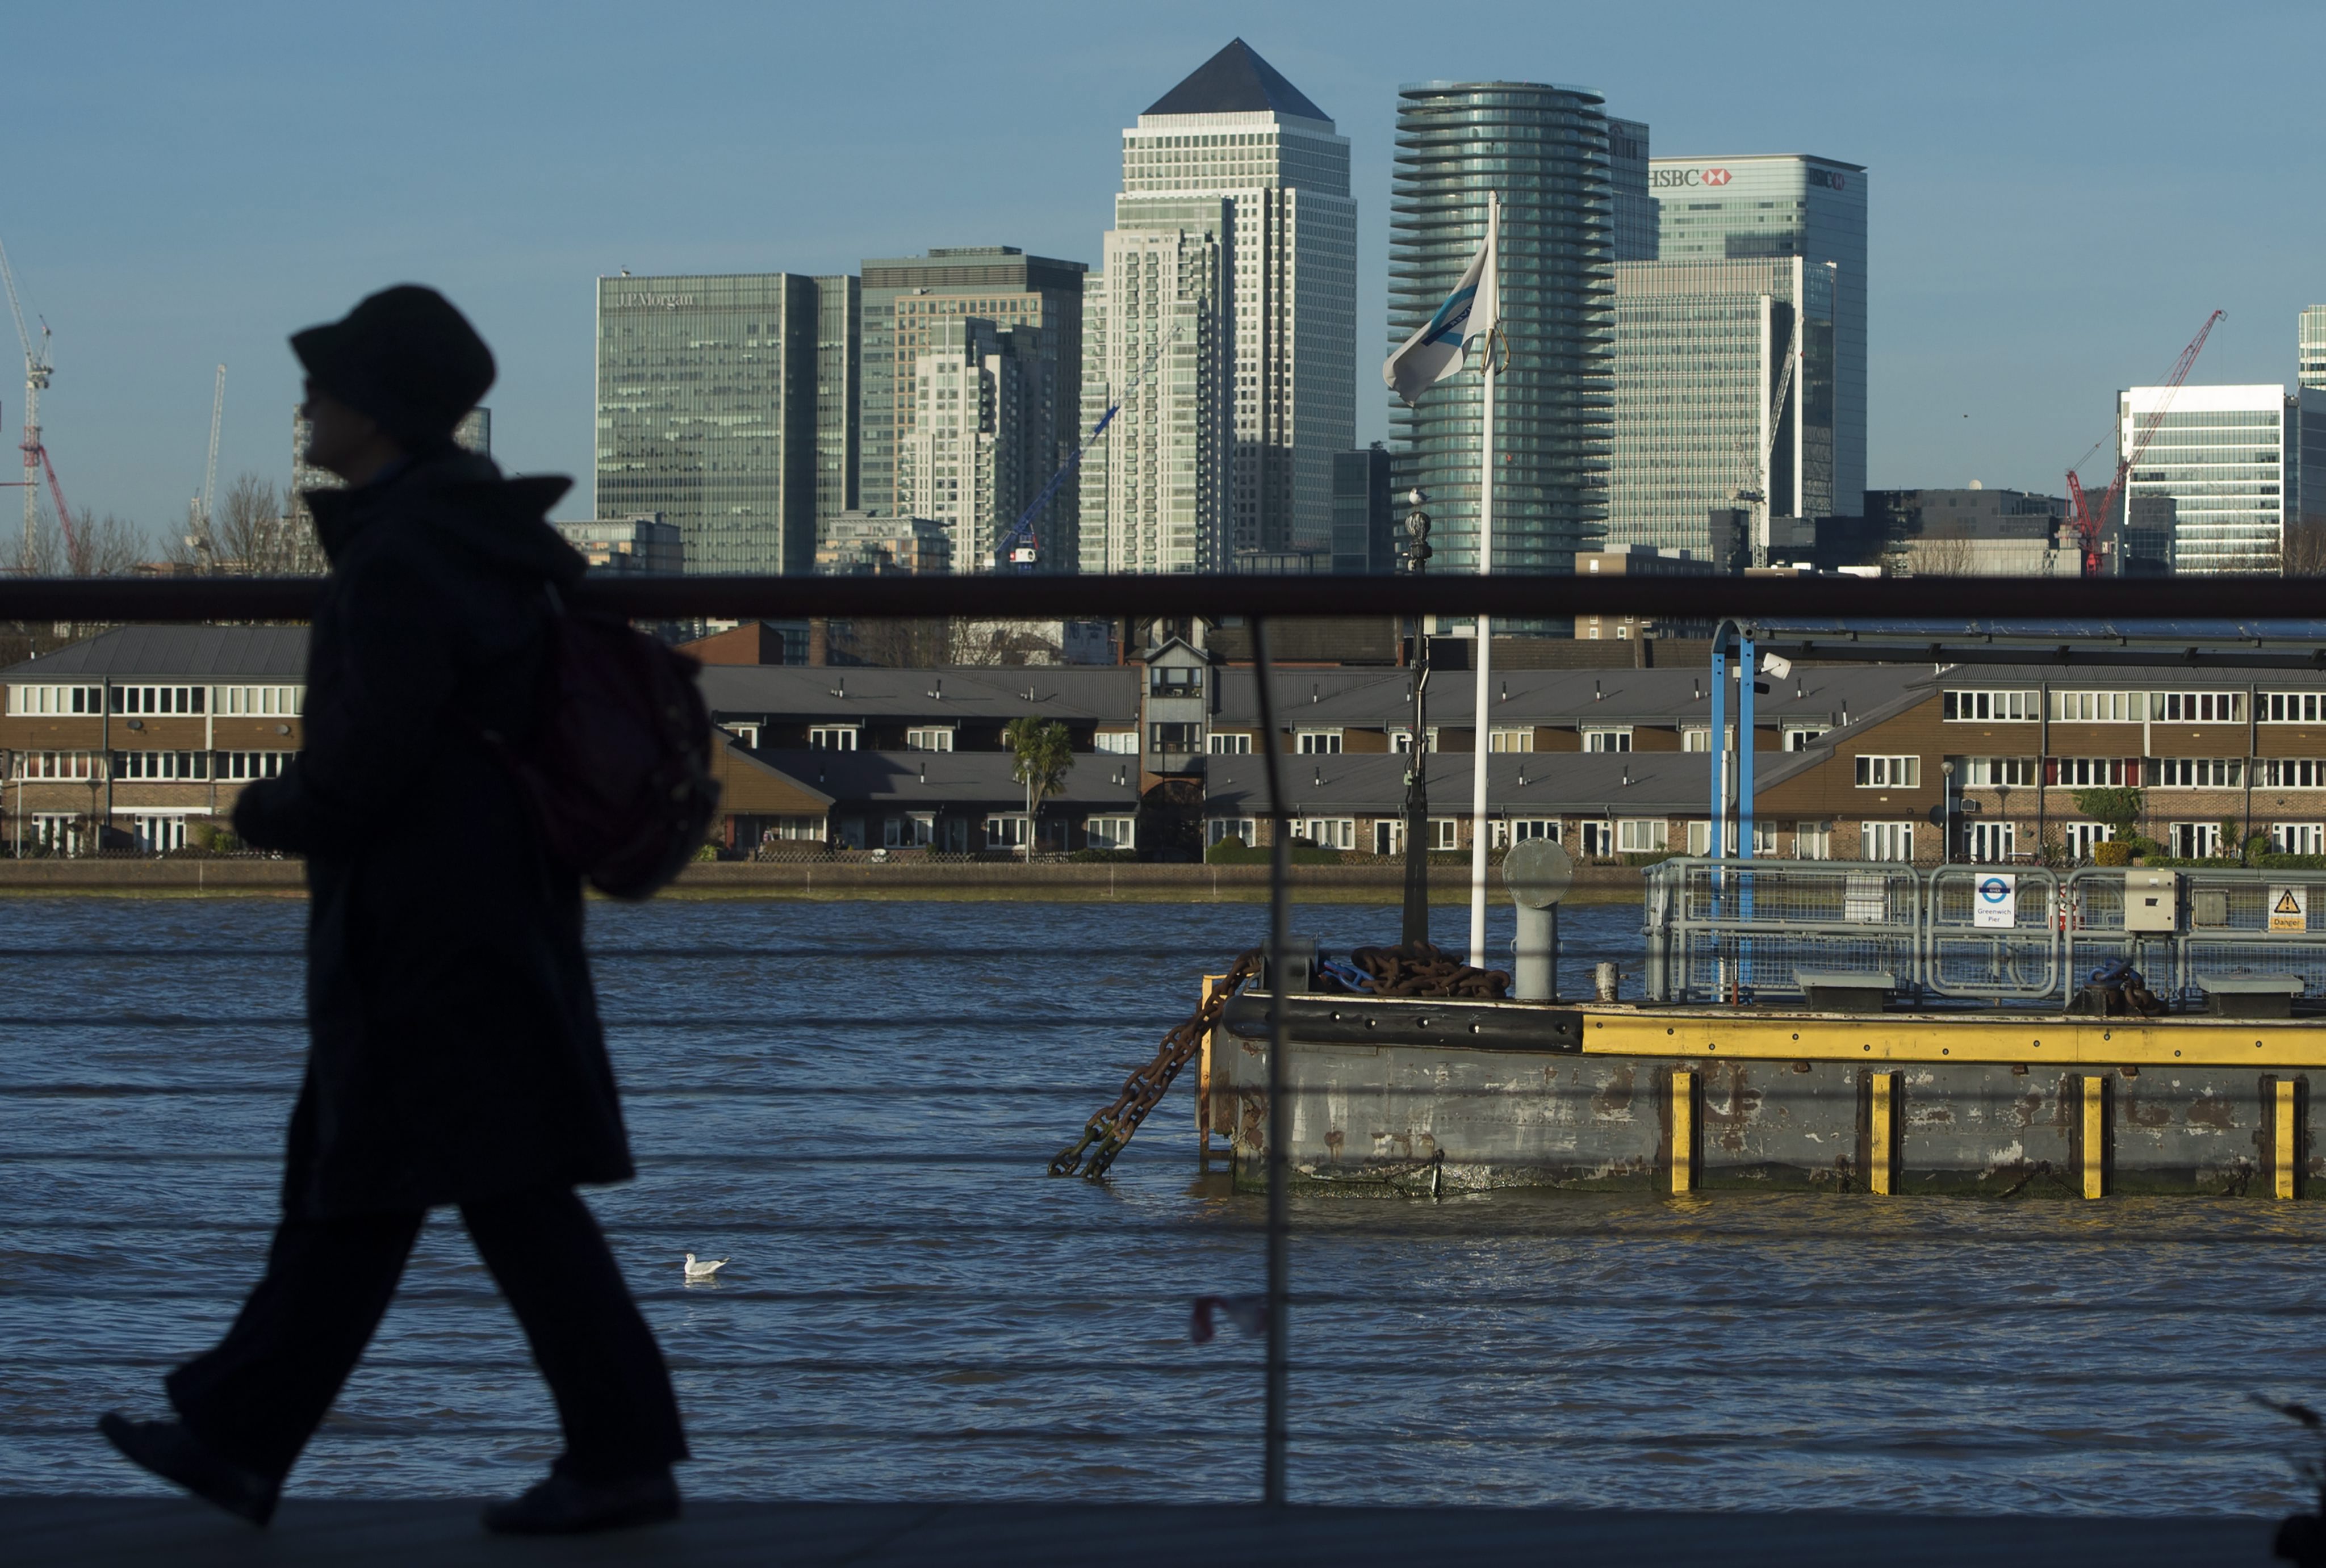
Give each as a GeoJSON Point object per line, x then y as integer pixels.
{"type": "Point", "coordinates": [1237, 82]}
{"type": "Point", "coordinates": [953, 778]}
{"type": "Point", "coordinates": [1107, 693]}
{"type": "Point", "coordinates": [1616, 697]}
{"type": "Point", "coordinates": [176, 653]}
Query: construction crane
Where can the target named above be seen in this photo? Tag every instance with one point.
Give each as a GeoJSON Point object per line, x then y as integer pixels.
{"type": "Point", "coordinates": [1016, 546]}
{"type": "Point", "coordinates": [1758, 452]}
{"type": "Point", "coordinates": [2079, 510]}
{"type": "Point", "coordinates": [37, 367]}
{"type": "Point", "coordinates": [199, 537]}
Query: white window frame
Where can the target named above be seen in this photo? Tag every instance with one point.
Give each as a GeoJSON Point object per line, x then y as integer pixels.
{"type": "Point", "coordinates": [1006, 830]}
{"type": "Point", "coordinates": [1112, 830]}
{"type": "Point", "coordinates": [1885, 841]}
{"type": "Point", "coordinates": [1218, 827]}
{"type": "Point", "coordinates": [2289, 773]}
{"type": "Point", "coordinates": [2097, 707]}
{"type": "Point", "coordinates": [2080, 838]}
{"type": "Point", "coordinates": [1595, 837]}
{"type": "Point", "coordinates": [1507, 738]}
{"type": "Point", "coordinates": [1318, 742]}
{"type": "Point", "coordinates": [2199, 840]}
{"type": "Point", "coordinates": [2089, 772]}
{"type": "Point", "coordinates": [1997, 772]}
{"type": "Point", "coordinates": [2290, 707]}
{"type": "Point", "coordinates": [1445, 833]}
{"type": "Point", "coordinates": [1401, 739]}
{"type": "Point", "coordinates": [1987, 706]}
{"type": "Point", "coordinates": [1990, 843]}
{"type": "Point", "coordinates": [1329, 832]}
{"type": "Point", "coordinates": [56, 701]}
{"type": "Point", "coordinates": [62, 766]}
{"type": "Point", "coordinates": [2197, 707]}
{"type": "Point", "coordinates": [749, 734]}
{"type": "Point", "coordinates": [1231, 743]}
{"type": "Point", "coordinates": [1117, 742]}
{"type": "Point", "coordinates": [1798, 736]}
{"type": "Point", "coordinates": [2198, 773]}
{"type": "Point", "coordinates": [1643, 836]}
{"type": "Point", "coordinates": [832, 736]}
{"type": "Point", "coordinates": [1504, 831]}
{"type": "Point", "coordinates": [1606, 738]}
{"type": "Point", "coordinates": [1877, 771]}
{"type": "Point", "coordinates": [929, 737]}
{"type": "Point", "coordinates": [1813, 840]}
{"type": "Point", "coordinates": [2298, 838]}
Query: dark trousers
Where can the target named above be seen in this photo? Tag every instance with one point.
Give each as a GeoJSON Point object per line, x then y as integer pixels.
{"type": "Point", "coordinates": [261, 1393]}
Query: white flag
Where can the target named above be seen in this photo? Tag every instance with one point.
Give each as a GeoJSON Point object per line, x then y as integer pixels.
{"type": "Point", "coordinates": [1440, 348]}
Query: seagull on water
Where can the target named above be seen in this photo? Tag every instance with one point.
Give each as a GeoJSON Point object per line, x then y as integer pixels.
{"type": "Point", "coordinates": [697, 1271]}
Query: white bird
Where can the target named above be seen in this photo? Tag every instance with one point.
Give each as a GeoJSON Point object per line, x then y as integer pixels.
{"type": "Point", "coordinates": [702, 1270]}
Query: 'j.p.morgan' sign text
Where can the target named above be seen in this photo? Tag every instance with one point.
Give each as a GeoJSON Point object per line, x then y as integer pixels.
{"type": "Point", "coordinates": [1671, 179]}
{"type": "Point", "coordinates": [657, 301]}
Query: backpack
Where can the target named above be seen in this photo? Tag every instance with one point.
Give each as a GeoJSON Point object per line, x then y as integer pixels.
{"type": "Point", "coordinates": [619, 770]}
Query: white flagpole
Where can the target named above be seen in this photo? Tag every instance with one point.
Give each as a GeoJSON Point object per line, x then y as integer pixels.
{"type": "Point", "coordinates": [1481, 728]}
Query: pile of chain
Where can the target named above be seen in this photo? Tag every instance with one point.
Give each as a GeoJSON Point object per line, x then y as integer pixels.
{"type": "Point", "coordinates": [1104, 1135]}
{"type": "Point", "coordinates": [1420, 969]}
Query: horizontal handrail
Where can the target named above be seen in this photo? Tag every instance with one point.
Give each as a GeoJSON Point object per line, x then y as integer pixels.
{"type": "Point", "coordinates": [1006, 596]}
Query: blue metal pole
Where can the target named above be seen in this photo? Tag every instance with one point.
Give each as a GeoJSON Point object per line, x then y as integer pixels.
{"type": "Point", "coordinates": [1745, 674]}
{"type": "Point", "coordinates": [1719, 743]}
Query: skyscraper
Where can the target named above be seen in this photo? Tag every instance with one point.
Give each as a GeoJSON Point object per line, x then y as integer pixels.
{"type": "Point", "coordinates": [1784, 205]}
{"type": "Point", "coordinates": [2232, 459]}
{"type": "Point", "coordinates": [980, 438]}
{"type": "Point", "coordinates": [1234, 236]}
{"type": "Point", "coordinates": [1701, 348]}
{"type": "Point", "coordinates": [1546, 150]}
{"type": "Point", "coordinates": [729, 404]}
{"type": "Point", "coordinates": [2312, 347]}
{"type": "Point", "coordinates": [905, 299]}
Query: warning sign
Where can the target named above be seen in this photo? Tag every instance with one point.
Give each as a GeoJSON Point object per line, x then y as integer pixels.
{"type": "Point", "coordinates": [2289, 909]}
{"type": "Point", "coordinates": [1997, 901]}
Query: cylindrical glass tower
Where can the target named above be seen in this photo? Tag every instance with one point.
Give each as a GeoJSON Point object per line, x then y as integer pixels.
{"type": "Point", "coordinates": [1545, 149]}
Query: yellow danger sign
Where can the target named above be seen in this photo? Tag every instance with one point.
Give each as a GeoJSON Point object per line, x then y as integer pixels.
{"type": "Point", "coordinates": [2289, 909]}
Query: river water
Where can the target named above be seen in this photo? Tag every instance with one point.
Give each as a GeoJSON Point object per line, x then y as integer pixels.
{"type": "Point", "coordinates": [855, 1102]}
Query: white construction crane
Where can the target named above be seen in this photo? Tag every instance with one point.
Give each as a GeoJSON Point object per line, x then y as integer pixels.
{"type": "Point", "coordinates": [201, 538]}
{"type": "Point", "coordinates": [1760, 450]}
{"type": "Point", "coordinates": [37, 367]}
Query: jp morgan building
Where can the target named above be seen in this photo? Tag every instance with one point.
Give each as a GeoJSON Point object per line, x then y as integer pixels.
{"type": "Point", "coordinates": [1776, 205]}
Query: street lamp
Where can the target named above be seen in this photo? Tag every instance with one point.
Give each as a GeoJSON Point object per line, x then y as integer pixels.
{"type": "Point", "coordinates": [1414, 925]}
{"type": "Point", "coordinates": [1947, 814]}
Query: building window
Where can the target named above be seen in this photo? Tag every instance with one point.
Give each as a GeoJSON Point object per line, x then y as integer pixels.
{"type": "Point", "coordinates": [57, 764]}
{"type": "Point", "coordinates": [1607, 739]}
{"type": "Point", "coordinates": [2088, 772]}
{"type": "Point", "coordinates": [1521, 738]}
{"type": "Point", "coordinates": [152, 765]}
{"type": "Point", "coordinates": [56, 833]}
{"type": "Point", "coordinates": [1244, 827]}
{"type": "Point", "coordinates": [2080, 837]}
{"type": "Point", "coordinates": [1987, 772]}
{"type": "Point", "coordinates": [1643, 835]}
{"type": "Point", "coordinates": [2298, 838]}
{"type": "Point", "coordinates": [260, 699]}
{"type": "Point", "coordinates": [831, 737]}
{"type": "Point", "coordinates": [1330, 832]}
{"type": "Point", "coordinates": [1176, 737]}
{"type": "Point", "coordinates": [1005, 833]}
{"type": "Point", "coordinates": [2197, 707]}
{"type": "Point", "coordinates": [1886, 773]}
{"type": "Point", "coordinates": [796, 828]}
{"type": "Point", "coordinates": [1596, 840]}
{"type": "Point", "coordinates": [248, 764]}
{"type": "Point", "coordinates": [1118, 742]}
{"type": "Point", "coordinates": [1230, 743]}
{"type": "Point", "coordinates": [2290, 773]}
{"type": "Point", "coordinates": [1318, 742]}
{"type": "Point", "coordinates": [2006, 706]}
{"type": "Point", "coordinates": [157, 699]}
{"type": "Point", "coordinates": [2196, 840]}
{"type": "Point", "coordinates": [746, 734]}
{"type": "Point", "coordinates": [1813, 840]}
{"type": "Point", "coordinates": [1800, 737]}
{"type": "Point", "coordinates": [1992, 842]}
{"type": "Point", "coordinates": [917, 831]}
{"type": "Point", "coordinates": [1445, 833]}
{"type": "Point", "coordinates": [2097, 707]}
{"type": "Point", "coordinates": [57, 700]}
{"type": "Point", "coordinates": [2200, 773]}
{"type": "Point", "coordinates": [934, 737]}
{"type": "Point", "coordinates": [1172, 681]}
{"type": "Point", "coordinates": [2291, 708]}
{"type": "Point", "coordinates": [1508, 831]}
{"type": "Point", "coordinates": [1111, 833]}
{"type": "Point", "coordinates": [1401, 740]}
{"type": "Point", "coordinates": [1885, 841]}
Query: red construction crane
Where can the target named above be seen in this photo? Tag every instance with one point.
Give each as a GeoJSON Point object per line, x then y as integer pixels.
{"type": "Point", "coordinates": [2079, 510]}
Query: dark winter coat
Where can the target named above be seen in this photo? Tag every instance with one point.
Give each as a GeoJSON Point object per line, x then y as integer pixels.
{"type": "Point", "coordinates": [456, 1052]}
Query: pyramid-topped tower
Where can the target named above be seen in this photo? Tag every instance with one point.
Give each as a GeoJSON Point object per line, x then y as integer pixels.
{"type": "Point", "coordinates": [1232, 271]}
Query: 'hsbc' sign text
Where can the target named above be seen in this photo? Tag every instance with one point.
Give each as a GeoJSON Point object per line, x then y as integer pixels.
{"type": "Point", "coordinates": [1668, 179]}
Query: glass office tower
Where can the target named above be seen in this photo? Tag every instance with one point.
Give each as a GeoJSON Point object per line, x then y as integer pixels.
{"type": "Point", "coordinates": [728, 403]}
{"type": "Point", "coordinates": [907, 300]}
{"type": "Point", "coordinates": [2231, 461]}
{"type": "Point", "coordinates": [1546, 150]}
{"type": "Point", "coordinates": [2312, 347]}
{"type": "Point", "coordinates": [1781, 205]}
{"type": "Point", "coordinates": [1700, 352]}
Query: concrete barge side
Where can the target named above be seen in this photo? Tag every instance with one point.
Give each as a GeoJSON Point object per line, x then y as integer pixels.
{"type": "Point", "coordinates": [1393, 1095]}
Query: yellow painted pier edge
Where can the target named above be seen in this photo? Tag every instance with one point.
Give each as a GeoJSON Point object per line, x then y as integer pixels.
{"type": "Point", "coordinates": [2033, 1039]}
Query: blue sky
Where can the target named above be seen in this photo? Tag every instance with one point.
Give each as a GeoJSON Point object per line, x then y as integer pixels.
{"type": "Point", "coordinates": [2060, 193]}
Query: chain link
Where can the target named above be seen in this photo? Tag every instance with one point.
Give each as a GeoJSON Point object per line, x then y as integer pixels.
{"type": "Point", "coordinates": [1105, 1133]}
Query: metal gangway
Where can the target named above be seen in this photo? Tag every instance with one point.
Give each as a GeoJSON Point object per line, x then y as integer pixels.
{"type": "Point", "coordinates": [1736, 931]}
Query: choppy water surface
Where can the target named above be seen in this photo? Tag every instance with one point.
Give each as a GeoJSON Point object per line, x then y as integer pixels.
{"type": "Point", "coordinates": [856, 1102]}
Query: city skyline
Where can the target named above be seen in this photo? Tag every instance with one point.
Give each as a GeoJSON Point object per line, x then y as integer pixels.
{"type": "Point", "coordinates": [154, 260]}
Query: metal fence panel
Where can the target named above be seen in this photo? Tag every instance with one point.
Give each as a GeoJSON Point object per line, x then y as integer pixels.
{"type": "Point", "coordinates": [1992, 933]}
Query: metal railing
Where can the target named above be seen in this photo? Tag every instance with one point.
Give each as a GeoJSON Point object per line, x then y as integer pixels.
{"type": "Point", "coordinates": [1730, 930]}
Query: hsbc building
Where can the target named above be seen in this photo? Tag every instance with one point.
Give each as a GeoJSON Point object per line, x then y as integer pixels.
{"type": "Point", "coordinates": [1776, 205]}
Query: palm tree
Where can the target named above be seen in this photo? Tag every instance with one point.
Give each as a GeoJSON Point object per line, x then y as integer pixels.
{"type": "Point", "coordinates": [1045, 755]}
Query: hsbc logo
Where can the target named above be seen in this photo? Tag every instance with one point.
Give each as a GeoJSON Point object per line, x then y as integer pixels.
{"type": "Point", "coordinates": [1686, 179]}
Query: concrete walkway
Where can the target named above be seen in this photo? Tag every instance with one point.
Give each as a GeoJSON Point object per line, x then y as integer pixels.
{"type": "Point", "coordinates": [37, 1532]}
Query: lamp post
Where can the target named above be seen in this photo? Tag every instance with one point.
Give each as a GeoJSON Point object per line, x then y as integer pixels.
{"type": "Point", "coordinates": [1415, 925]}
{"type": "Point", "coordinates": [1947, 812]}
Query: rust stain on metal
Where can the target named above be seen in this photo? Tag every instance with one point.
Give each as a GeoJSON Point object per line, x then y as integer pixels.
{"type": "Point", "coordinates": [1332, 1141]}
{"type": "Point", "coordinates": [1729, 1120]}
{"type": "Point", "coordinates": [1615, 1097]}
{"type": "Point", "coordinates": [2214, 1111]}
{"type": "Point", "coordinates": [2135, 1108]}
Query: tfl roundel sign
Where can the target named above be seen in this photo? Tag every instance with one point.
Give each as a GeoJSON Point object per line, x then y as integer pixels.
{"type": "Point", "coordinates": [1995, 901]}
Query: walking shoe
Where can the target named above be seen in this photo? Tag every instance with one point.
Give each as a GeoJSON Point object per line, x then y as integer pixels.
{"type": "Point", "coordinates": [563, 1505]}
{"type": "Point", "coordinates": [176, 1455]}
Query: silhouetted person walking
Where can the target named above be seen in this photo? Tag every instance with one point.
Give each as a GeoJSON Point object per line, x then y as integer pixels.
{"type": "Point", "coordinates": [456, 1057]}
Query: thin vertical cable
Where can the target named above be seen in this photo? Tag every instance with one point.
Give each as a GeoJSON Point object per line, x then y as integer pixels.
{"type": "Point", "coordinates": [1279, 869]}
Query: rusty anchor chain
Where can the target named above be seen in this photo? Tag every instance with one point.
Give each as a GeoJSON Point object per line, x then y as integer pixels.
{"type": "Point", "coordinates": [1105, 1133]}
{"type": "Point", "coordinates": [1420, 969]}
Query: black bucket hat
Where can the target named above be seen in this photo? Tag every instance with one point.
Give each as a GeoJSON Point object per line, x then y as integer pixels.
{"type": "Point", "coordinates": [404, 357]}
